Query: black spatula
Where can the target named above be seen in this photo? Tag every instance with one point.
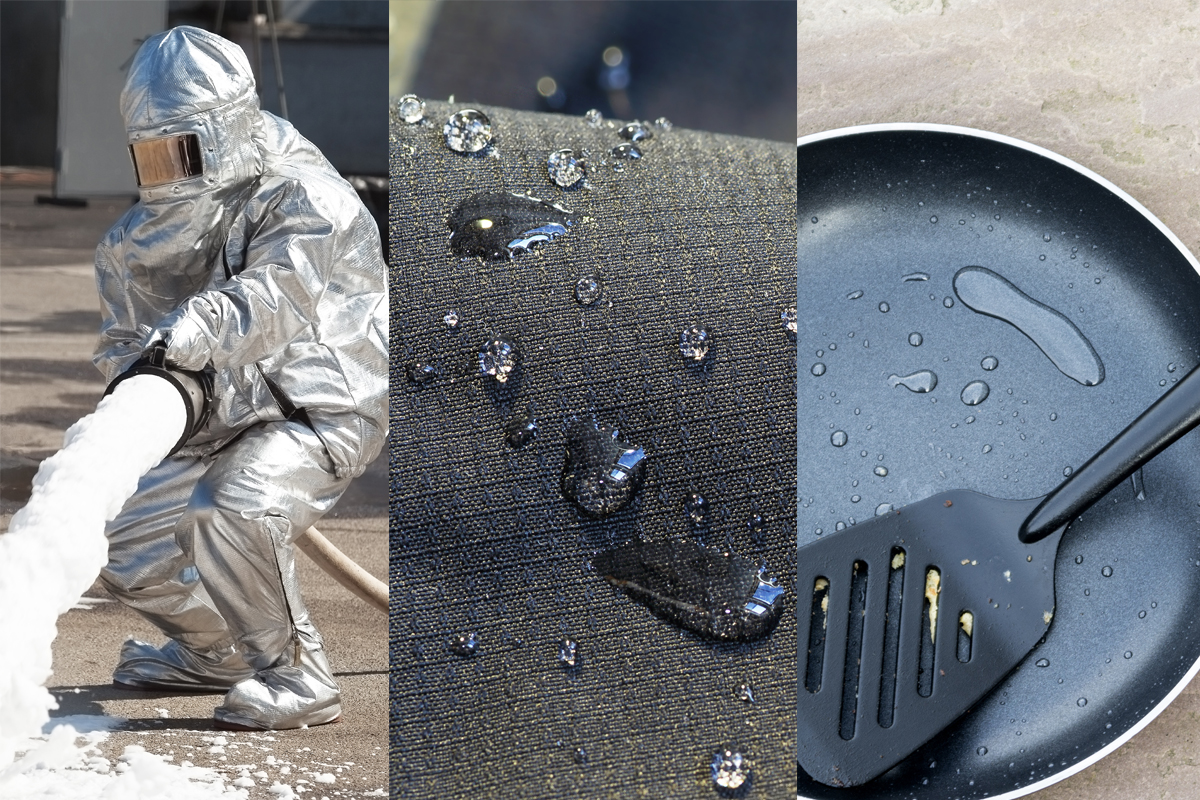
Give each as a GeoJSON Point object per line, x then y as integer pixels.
{"type": "Point", "coordinates": [904, 622]}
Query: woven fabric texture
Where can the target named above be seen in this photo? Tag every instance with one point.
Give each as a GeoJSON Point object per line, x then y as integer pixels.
{"type": "Point", "coordinates": [701, 230]}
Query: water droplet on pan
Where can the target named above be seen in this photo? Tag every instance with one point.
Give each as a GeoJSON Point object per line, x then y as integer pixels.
{"type": "Point", "coordinates": [915, 339]}
{"type": "Point", "coordinates": [975, 393]}
{"type": "Point", "coordinates": [717, 595]}
{"type": "Point", "coordinates": [1107, 572]}
{"type": "Point", "coordinates": [730, 769]}
{"type": "Point", "coordinates": [857, 293]}
{"type": "Point", "coordinates": [881, 472]}
{"type": "Point", "coordinates": [587, 290]}
{"type": "Point", "coordinates": [839, 439]}
{"type": "Point", "coordinates": [1042, 662]}
{"type": "Point", "coordinates": [884, 307]}
{"type": "Point", "coordinates": [497, 358]}
{"type": "Point", "coordinates": [411, 108]}
{"type": "Point", "coordinates": [818, 369]}
{"type": "Point", "coordinates": [920, 382]}
{"type": "Point", "coordinates": [496, 225]}
{"type": "Point", "coordinates": [601, 473]}
{"type": "Point", "coordinates": [985, 292]}
{"type": "Point", "coordinates": [468, 131]}
{"type": "Point", "coordinates": [565, 169]}
{"type": "Point", "coordinates": [916, 276]}
{"type": "Point", "coordinates": [694, 343]}
{"type": "Point", "coordinates": [989, 363]}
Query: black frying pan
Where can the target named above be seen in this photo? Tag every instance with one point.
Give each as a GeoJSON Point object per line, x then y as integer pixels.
{"type": "Point", "coordinates": [893, 201]}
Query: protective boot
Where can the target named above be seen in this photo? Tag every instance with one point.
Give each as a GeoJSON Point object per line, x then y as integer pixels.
{"type": "Point", "coordinates": [176, 667]}
{"type": "Point", "coordinates": [299, 695]}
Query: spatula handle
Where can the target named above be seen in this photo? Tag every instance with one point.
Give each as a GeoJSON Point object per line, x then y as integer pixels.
{"type": "Point", "coordinates": [1171, 416]}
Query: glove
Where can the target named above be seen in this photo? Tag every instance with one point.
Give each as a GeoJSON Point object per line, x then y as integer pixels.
{"type": "Point", "coordinates": [188, 347]}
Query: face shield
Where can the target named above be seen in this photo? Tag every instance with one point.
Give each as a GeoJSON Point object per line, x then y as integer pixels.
{"type": "Point", "coordinates": [166, 159]}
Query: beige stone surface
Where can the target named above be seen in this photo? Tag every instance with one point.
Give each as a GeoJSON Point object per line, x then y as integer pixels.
{"type": "Point", "coordinates": [1111, 84]}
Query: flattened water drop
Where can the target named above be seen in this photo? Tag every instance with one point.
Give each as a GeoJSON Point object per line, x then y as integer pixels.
{"type": "Point", "coordinates": [718, 595]}
{"type": "Point", "coordinates": [636, 132]}
{"type": "Point", "coordinates": [730, 769]}
{"type": "Point", "coordinates": [818, 369]}
{"type": "Point", "coordinates": [496, 225]}
{"type": "Point", "coordinates": [411, 109]}
{"type": "Point", "coordinates": [881, 472]}
{"type": "Point", "coordinates": [916, 276]}
{"type": "Point", "coordinates": [694, 343]}
{"type": "Point", "coordinates": [464, 644]}
{"type": "Point", "coordinates": [985, 292]}
{"type": "Point", "coordinates": [498, 358]}
{"type": "Point", "coordinates": [626, 152]}
{"type": "Point", "coordinates": [468, 131]}
{"type": "Point", "coordinates": [883, 508]}
{"type": "Point", "coordinates": [857, 293]}
{"type": "Point", "coordinates": [419, 373]}
{"type": "Point", "coordinates": [601, 473]}
{"type": "Point", "coordinates": [565, 169]}
{"type": "Point", "coordinates": [920, 382]}
{"type": "Point", "coordinates": [975, 393]}
{"type": "Point", "coordinates": [587, 290]}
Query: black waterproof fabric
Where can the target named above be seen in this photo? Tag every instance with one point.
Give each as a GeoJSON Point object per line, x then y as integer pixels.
{"type": "Point", "coordinates": [700, 231]}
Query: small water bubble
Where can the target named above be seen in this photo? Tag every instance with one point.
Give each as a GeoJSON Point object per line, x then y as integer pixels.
{"type": "Point", "coordinates": [419, 373]}
{"type": "Point", "coordinates": [1129, 654]}
{"type": "Point", "coordinates": [989, 363]}
{"type": "Point", "coordinates": [451, 319]}
{"type": "Point", "coordinates": [840, 526]}
{"type": "Point", "coordinates": [787, 318]}
{"type": "Point", "coordinates": [982, 751]}
{"type": "Point", "coordinates": [839, 439]}
{"type": "Point", "coordinates": [857, 293]}
{"type": "Point", "coordinates": [636, 132]}
{"type": "Point", "coordinates": [916, 276]}
{"type": "Point", "coordinates": [1078, 559]}
{"type": "Point", "coordinates": [1141, 615]}
{"type": "Point", "coordinates": [882, 508]}
{"type": "Point", "coordinates": [625, 152]}
{"type": "Point", "coordinates": [411, 108]}
{"type": "Point", "coordinates": [694, 343]}
{"type": "Point", "coordinates": [818, 369]}
{"type": "Point", "coordinates": [881, 472]}
{"type": "Point", "coordinates": [987, 448]}
{"type": "Point", "coordinates": [730, 769]}
{"type": "Point", "coordinates": [1154, 605]}
{"type": "Point", "coordinates": [969, 419]}
{"type": "Point", "coordinates": [697, 509]}
{"type": "Point", "coordinates": [587, 290]}
{"type": "Point", "coordinates": [593, 118]}
{"type": "Point", "coordinates": [884, 307]}
{"type": "Point", "coordinates": [833, 346]}
{"type": "Point", "coordinates": [745, 693]}
{"type": "Point", "coordinates": [468, 131]}
{"type": "Point", "coordinates": [757, 526]}
{"type": "Point", "coordinates": [915, 339]}
{"type": "Point", "coordinates": [1081, 702]}
{"type": "Point", "coordinates": [1170, 367]}
{"type": "Point", "coordinates": [814, 220]}
{"type": "Point", "coordinates": [565, 169]}
{"type": "Point", "coordinates": [933, 219]}
{"type": "Point", "coordinates": [581, 756]}
{"type": "Point", "coordinates": [948, 302]}
{"type": "Point", "coordinates": [568, 653]}
{"type": "Point", "coordinates": [1053, 417]}
{"type": "Point", "coordinates": [974, 393]}
{"type": "Point", "coordinates": [1067, 470]}
{"type": "Point", "coordinates": [498, 358]}
{"type": "Point", "coordinates": [1046, 238]}
{"type": "Point", "coordinates": [820, 353]}
{"type": "Point", "coordinates": [1107, 572]}
{"type": "Point", "coordinates": [522, 429]}
{"type": "Point", "coordinates": [1042, 662]}
{"type": "Point", "coordinates": [464, 644]}
{"type": "Point", "coordinates": [663, 124]}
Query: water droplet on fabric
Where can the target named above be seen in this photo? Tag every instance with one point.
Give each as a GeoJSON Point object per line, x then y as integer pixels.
{"type": "Point", "coordinates": [717, 594]}
{"type": "Point", "coordinates": [565, 169]}
{"type": "Point", "coordinates": [881, 472]}
{"type": "Point", "coordinates": [411, 108]}
{"type": "Point", "coordinates": [857, 293]}
{"type": "Point", "coordinates": [1107, 572]}
{"type": "Point", "coordinates": [601, 473]}
{"type": "Point", "coordinates": [587, 290]}
{"type": "Point", "coordinates": [694, 343]}
{"type": "Point", "coordinates": [920, 382]}
{"type": "Point", "coordinates": [568, 653]}
{"type": "Point", "coordinates": [697, 510]}
{"type": "Point", "coordinates": [1042, 662]}
{"type": "Point", "coordinates": [419, 373]}
{"type": "Point", "coordinates": [818, 369]}
{"type": "Point", "coordinates": [498, 357]}
{"type": "Point", "coordinates": [593, 118]}
{"type": "Point", "coordinates": [451, 319]}
{"type": "Point", "coordinates": [468, 131]}
{"type": "Point", "coordinates": [975, 393]}
{"type": "Point", "coordinates": [915, 339]}
{"type": "Point", "coordinates": [581, 756]}
{"type": "Point", "coordinates": [730, 769]}
{"type": "Point", "coordinates": [495, 225]}
{"type": "Point", "coordinates": [625, 152]}
{"type": "Point", "coordinates": [522, 429]}
{"type": "Point", "coordinates": [839, 439]}
{"type": "Point", "coordinates": [464, 644]}
{"type": "Point", "coordinates": [636, 132]}
{"type": "Point", "coordinates": [988, 293]}
{"type": "Point", "coordinates": [787, 318]}
{"type": "Point", "coordinates": [745, 693]}
{"type": "Point", "coordinates": [884, 307]}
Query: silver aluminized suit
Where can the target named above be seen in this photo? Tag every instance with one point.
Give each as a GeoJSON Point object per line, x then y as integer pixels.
{"type": "Point", "coordinates": [266, 270]}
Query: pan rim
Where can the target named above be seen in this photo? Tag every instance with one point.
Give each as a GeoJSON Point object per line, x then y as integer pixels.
{"type": "Point", "coordinates": [923, 127]}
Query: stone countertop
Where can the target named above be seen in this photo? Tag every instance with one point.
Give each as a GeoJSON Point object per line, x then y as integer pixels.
{"type": "Point", "coordinates": [1113, 85]}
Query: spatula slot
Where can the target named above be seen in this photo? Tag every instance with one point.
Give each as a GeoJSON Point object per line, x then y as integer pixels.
{"type": "Point", "coordinates": [933, 590]}
{"type": "Point", "coordinates": [855, 623]}
{"type": "Point", "coordinates": [966, 630]}
{"type": "Point", "coordinates": [818, 623]}
{"type": "Point", "coordinates": [891, 640]}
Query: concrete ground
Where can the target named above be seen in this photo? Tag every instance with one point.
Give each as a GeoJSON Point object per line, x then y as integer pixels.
{"type": "Point", "coordinates": [48, 321]}
{"type": "Point", "coordinates": [1111, 84]}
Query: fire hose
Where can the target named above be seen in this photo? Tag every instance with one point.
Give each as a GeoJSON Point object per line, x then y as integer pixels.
{"type": "Point", "coordinates": [195, 388]}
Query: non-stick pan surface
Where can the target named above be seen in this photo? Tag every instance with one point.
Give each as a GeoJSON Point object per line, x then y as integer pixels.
{"type": "Point", "coordinates": [880, 204]}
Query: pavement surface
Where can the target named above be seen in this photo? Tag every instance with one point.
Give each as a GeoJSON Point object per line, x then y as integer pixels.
{"type": "Point", "coordinates": [48, 321]}
{"type": "Point", "coordinates": [1113, 85]}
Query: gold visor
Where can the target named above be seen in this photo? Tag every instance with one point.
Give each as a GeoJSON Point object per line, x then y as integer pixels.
{"type": "Point", "coordinates": [166, 159]}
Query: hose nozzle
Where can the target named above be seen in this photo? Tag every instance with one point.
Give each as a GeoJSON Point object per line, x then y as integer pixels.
{"type": "Point", "coordinates": [195, 388]}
